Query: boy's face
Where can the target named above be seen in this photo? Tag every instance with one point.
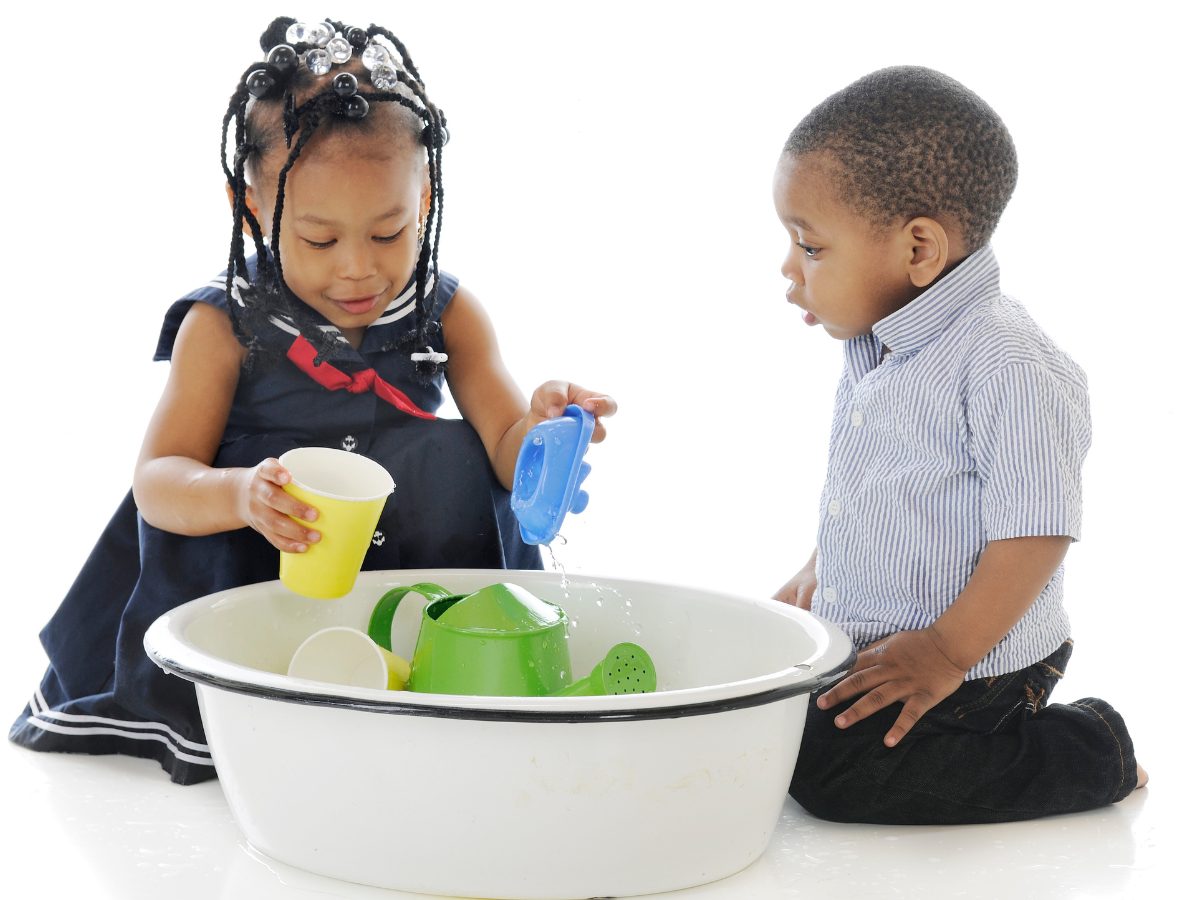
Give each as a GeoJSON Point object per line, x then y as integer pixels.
{"type": "Point", "coordinates": [348, 237]}
{"type": "Point", "coordinates": [845, 274]}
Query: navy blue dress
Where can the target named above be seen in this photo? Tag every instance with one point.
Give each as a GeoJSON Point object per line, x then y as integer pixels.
{"type": "Point", "coordinates": [102, 694]}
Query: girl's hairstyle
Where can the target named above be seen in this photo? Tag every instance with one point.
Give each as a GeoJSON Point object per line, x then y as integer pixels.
{"type": "Point", "coordinates": [909, 141]}
{"type": "Point", "coordinates": [279, 105]}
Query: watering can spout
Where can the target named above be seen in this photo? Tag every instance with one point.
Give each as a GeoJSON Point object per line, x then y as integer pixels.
{"type": "Point", "coordinates": [625, 669]}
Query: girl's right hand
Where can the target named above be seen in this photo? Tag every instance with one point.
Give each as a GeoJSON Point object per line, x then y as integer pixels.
{"type": "Point", "coordinates": [266, 507]}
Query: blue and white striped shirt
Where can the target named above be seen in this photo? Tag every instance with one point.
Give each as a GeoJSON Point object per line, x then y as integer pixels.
{"type": "Point", "coordinates": [957, 422]}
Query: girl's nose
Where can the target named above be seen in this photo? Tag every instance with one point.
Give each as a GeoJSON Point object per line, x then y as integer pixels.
{"type": "Point", "coordinates": [355, 262]}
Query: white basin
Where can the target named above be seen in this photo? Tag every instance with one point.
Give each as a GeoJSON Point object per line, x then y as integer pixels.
{"type": "Point", "coordinates": [509, 797]}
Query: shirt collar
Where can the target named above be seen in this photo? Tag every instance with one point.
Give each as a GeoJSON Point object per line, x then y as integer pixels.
{"type": "Point", "coordinates": [918, 323]}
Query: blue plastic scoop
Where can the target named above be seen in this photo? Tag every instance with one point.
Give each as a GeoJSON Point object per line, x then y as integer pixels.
{"type": "Point", "coordinates": [550, 468]}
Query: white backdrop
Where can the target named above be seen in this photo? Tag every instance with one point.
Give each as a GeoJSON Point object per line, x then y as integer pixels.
{"type": "Point", "coordinates": [608, 196]}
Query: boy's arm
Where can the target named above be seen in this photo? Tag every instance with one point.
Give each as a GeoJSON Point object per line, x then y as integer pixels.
{"type": "Point", "coordinates": [922, 668]}
{"type": "Point", "coordinates": [800, 587]}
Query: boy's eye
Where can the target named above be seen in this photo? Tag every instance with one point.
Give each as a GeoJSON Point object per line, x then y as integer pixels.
{"type": "Point", "coordinates": [809, 250]}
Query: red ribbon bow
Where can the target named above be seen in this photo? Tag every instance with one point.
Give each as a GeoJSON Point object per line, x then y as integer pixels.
{"type": "Point", "coordinates": [302, 353]}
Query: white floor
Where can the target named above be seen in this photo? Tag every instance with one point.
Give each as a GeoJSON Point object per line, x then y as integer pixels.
{"type": "Point", "coordinates": [107, 827]}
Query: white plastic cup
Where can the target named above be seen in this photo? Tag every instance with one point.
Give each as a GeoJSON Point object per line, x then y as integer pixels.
{"type": "Point", "coordinates": [342, 655]}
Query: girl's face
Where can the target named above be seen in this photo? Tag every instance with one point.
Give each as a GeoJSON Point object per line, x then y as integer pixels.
{"type": "Point", "coordinates": [348, 236]}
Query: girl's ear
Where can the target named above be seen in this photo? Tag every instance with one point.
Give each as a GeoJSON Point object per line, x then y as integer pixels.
{"type": "Point", "coordinates": [251, 204]}
{"type": "Point", "coordinates": [928, 248]}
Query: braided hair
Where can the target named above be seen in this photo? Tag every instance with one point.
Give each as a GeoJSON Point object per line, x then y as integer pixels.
{"type": "Point", "coordinates": [280, 104]}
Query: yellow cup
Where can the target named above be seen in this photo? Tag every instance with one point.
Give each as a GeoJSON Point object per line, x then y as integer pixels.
{"type": "Point", "coordinates": [341, 655]}
{"type": "Point", "coordinates": [348, 490]}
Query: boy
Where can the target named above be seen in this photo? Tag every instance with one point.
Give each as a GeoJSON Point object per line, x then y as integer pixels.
{"type": "Point", "coordinates": [953, 488]}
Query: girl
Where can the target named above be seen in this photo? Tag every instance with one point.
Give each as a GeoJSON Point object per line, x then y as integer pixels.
{"type": "Point", "coordinates": [338, 331]}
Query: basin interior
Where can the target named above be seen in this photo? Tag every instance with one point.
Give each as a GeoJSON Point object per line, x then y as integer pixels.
{"type": "Point", "coordinates": [696, 637]}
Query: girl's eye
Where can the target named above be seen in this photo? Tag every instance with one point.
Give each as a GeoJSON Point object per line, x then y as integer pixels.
{"type": "Point", "coordinates": [318, 245]}
{"type": "Point", "coordinates": [391, 238]}
{"type": "Point", "coordinates": [809, 251]}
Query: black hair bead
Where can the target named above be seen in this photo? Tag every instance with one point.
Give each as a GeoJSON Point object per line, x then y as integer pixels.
{"type": "Point", "coordinates": [355, 107]}
{"type": "Point", "coordinates": [345, 84]}
{"type": "Point", "coordinates": [283, 58]}
{"type": "Point", "coordinates": [259, 83]}
{"type": "Point", "coordinates": [357, 38]}
{"type": "Point", "coordinates": [435, 136]}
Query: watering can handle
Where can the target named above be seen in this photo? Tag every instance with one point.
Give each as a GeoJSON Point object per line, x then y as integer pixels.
{"type": "Point", "coordinates": [380, 626]}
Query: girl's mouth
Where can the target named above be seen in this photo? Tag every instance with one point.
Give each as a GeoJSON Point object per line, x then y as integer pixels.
{"type": "Point", "coordinates": [359, 305]}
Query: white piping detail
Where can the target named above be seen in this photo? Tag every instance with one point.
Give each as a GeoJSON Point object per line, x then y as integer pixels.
{"type": "Point", "coordinates": [117, 732]}
{"type": "Point", "coordinates": [42, 709]}
{"type": "Point", "coordinates": [290, 329]}
{"type": "Point", "coordinates": [388, 317]}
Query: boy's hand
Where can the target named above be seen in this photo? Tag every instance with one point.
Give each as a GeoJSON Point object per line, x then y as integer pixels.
{"type": "Point", "coordinates": [910, 667]}
{"type": "Point", "coordinates": [552, 398]}
{"type": "Point", "coordinates": [800, 587]}
{"type": "Point", "coordinates": [266, 507]}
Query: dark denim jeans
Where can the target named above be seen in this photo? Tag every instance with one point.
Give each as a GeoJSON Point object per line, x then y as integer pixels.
{"type": "Point", "coordinates": [992, 751]}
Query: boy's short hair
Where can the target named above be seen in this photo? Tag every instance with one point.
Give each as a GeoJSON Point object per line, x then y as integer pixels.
{"type": "Point", "coordinates": [913, 142]}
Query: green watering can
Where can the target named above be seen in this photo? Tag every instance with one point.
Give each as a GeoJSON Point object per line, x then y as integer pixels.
{"type": "Point", "coordinates": [502, 641]}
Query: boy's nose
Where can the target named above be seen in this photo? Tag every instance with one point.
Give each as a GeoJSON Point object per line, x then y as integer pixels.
{"type": "Point", "coordinates": [794, 274]}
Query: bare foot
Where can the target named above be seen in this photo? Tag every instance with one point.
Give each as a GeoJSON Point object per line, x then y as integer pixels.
{"type": "Point", "coordinates": [1142, 777]}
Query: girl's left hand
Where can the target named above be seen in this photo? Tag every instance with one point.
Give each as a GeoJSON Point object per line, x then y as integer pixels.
{"type": "Point", "coordinates": [552, 398]}
{"type": "Point", "coordinates": [910, 667]}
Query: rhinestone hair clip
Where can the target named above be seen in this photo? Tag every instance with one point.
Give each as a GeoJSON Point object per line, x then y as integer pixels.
{"type": "Point", "coordinates": [319, 48]}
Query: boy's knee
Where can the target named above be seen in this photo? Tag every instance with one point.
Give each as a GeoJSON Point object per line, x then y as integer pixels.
{"type": "Point", "coordinates": [819, 799]}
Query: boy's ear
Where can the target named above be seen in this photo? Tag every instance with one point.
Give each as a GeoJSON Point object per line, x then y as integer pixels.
{"type": "Point", "coordinates": [251, 204]}
{"type": "Point", "coordinates": [928, 247]}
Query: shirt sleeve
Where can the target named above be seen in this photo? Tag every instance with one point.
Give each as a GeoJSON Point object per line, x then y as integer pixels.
{"type": "Point", "coordinates": [1030, 430]}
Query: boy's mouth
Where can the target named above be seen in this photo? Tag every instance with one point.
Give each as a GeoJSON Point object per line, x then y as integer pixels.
{"type": "Point", "coordinates": [809, 318]}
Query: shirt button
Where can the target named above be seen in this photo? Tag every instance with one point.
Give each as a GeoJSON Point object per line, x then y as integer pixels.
{"type": "Point", "coordinates": [829, 594]}
{"type": "Point", "coordinates": [835, 508]}
{"type": "Point", "coordinates": [349, 443]}
{"type": "Point", "coordinates": [856, 418]}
